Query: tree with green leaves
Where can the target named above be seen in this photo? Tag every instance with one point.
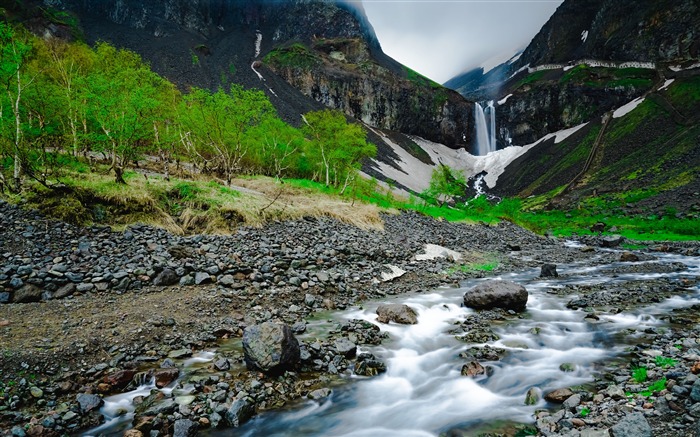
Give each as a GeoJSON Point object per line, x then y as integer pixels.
{"type": "Point", "coordinates": [15, 48]}
{"type": "Point", "coordinates": [340, 145]}
{"type": "Point", "coordinates": [277, 145]}
{"type": "Point", "coordinates": [123, 99]}
{"type": "Point", "coordinates": [445, 183]}
{"type": "Point", "coordinates": [216, 126]}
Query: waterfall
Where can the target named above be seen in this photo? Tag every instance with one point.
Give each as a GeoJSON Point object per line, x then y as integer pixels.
{"type": "Point", "coordinates": [485, 125]}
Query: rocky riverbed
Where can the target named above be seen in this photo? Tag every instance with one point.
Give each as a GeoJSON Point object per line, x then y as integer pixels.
{"type": "Point", "coordinates": [86, 312]}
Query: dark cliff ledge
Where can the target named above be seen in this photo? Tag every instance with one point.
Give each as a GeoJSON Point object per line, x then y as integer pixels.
{"type": "Point", "coordinates": [210, 43]}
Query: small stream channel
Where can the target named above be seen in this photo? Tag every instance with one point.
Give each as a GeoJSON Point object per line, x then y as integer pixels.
{"type": "Point", "coordinates": [423, 393]}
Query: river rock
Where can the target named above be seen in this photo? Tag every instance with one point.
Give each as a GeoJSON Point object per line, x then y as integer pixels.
{"type": "Point", "coordinates": [532, 397]}
{"type": "Point", "coordinates": [201, 278]}
{"type": "Point", "coordinates": [633, 425]}
{"type": "Point", "coordinates": [496, 294]}
{"type": "Point", "coordinates": [133, 433]}
{"type": "Point", "coordinates": [270, 347]}
{"type": "Point", "coordinates": [472, 369]}
{"type": "Point", "coordinates": [368, 365]}
{"type": "Point", "coordinates": [695, 391]}
{"type": "Point", "coordinates": [89, 402]}
{"type": "Point", "coordinates": [628, 257]}
{"type": "Point", "coordinates": [397, 313]}
{"type": "Point", "coordinates": [185, 428]}
{"type": "Point", "coordinates": [345, 347]}
{"type": "Point", "coordinates": [548, 271]}
{"type": "Point", "coordinates": [558, 396]}
{"type": "Point", "coordinates": [240, 412]}
{"type": "Point", "coordinates": [611, 240]}
{"type": "Point", "coordinates": [165, 376]}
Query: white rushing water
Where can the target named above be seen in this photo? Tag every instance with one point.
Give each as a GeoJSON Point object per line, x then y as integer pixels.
{"type": "Point", "coordinates": [485, 126]}
{"type": "Point", "coordinates": [423, 392]}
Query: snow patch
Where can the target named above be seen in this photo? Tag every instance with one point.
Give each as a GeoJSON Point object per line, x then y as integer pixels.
{"type": "Point", "coordinates": [433, 251]}
{"type": "Point", "coordinates": [584, 36]}
{"type": "Point", "coordinates": [515, 58]}
{"type": "Point", "coordinates": [395, 272]}
{"type": "Point", "coordinates": [258, 43]}
{"type": "Point", "coordinates": [569, 67]}
{"type": "Point", "coordinates": [626, 109]}
{"type": "Point", "coordinates": [505, 99]}
{"type": "Point", "coordinates": [666, 84]}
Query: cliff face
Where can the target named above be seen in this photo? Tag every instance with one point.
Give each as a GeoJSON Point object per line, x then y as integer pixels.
{"type": "Point", "coordinates": [208, 43]}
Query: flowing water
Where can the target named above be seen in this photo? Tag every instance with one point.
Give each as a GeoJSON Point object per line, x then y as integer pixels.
{"type": "Point", "coordinates": [485, 126]}
{"type": "Point", "coordinates": [423, 392]}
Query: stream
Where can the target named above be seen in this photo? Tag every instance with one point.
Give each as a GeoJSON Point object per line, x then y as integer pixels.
{"type": "Point", "coordinates": [423, 392]}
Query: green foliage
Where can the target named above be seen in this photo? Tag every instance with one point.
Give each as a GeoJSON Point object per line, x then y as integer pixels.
{"type": "Point", "coordinates": [195, 58]}
{"type": "Point", "coordinates": [664, 362]}
{"type": "Point", "coordinates": [655, 387]}
{"type": "Point", "coordinates": [421, 80]}
{"type": "Point", "coordinates": [532, 78]}
{"type": "Point", "coordinates": [585, 411]}
{"type": "Point", "coordinates": [639, 374]}
{"type": "Point", "coordinates": [445, 184]}
{"type": "Point", "coordinates": [296, 55]}
{"type": "Point", "coordinates": [335, 148]}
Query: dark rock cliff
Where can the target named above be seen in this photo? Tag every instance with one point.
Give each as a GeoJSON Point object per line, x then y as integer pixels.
{"type": "Point", "coordinates": [208, 43]}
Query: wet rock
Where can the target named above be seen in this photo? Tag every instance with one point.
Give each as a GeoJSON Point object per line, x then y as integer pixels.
{"type": "Point", "coordinates": [496, 294]}
{"type": "Point", "coordinates": [633, 425]}
{"type": "Point", "coordinates": [567, 367]}
{"type": "Point", "coordinates": [397, 313]}
{"type": "Point", "coordinates": [270, 347]}
{"type": "Point", "coordinates": [548, 271]}
{"type": "Point", "coordinates": [180, 353]}
{"type": "Point", "coordinates": [345, 347]}
{"type": "Point", "coordinates": [240, 412]}
{"type": "Point", "coordinates": [611, 240]}
{"type": "Point", "coordinates": [572, 402]}
{"type": "Point", "coordinates": [166, 277]}
{"type": "Point", "coordinates": [532, 397]}
{"type": "Point", "coordinates": [120, 379]}
{"type": "Point", "coordinates": [165, 376]}
{"type": "Point", "coordinates": [89, 402]}
{"type": "Point", "coordinates": [321, 393]}
{"type": "Point", "coordinates": [185, 428]}
{"type": "Point", "coordinates": [472, 369]}
{"type": "Point", "coordinates": [222, 364]}
{"type": "Point", "coordinates": [628, 257]}
{"type": "Point", "coordinates": [368, 365]}
{"type": "Point", "coordinates": [558, 396]}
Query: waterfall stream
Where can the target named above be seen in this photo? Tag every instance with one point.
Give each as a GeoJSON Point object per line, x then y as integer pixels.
{"type": "Point", "coordinates": [485, 126]}
{"type": "Point", "coordinates": [423, 392]}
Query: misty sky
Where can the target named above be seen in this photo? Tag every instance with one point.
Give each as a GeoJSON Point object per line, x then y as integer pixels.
{"type": "Point", "coordinates": [442, 38]}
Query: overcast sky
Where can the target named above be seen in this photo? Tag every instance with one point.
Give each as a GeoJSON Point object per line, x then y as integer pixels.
{"type": "Point", "coordinates": [442, 38]}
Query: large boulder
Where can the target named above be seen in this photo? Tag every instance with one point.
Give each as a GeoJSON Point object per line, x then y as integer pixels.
{"type": "Point", "coordinates": [496, 294]}
{"type": "Point", "coordinates": [240, 411]}
{"type": "Point", "coordinates": [28, 293]}
{"type": "Point", "coordinates": [397, 313]}
{"type": "Point", "coordinates": [270, 347]}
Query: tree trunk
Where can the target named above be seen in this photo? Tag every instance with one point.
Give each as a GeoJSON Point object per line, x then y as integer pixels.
{"type": "Point", "coordinates": [119, 174]}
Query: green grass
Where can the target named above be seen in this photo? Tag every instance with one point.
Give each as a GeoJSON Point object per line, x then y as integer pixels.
{"type": "Point", "coordinates": [531, 78]}
{"type": "Point", "coordinates": [294, 56]}
{"type": "Point", "coordinates": [585, 411]}
{"type": "Point", "coordinates": [665, 362]}
{"type": "Point", "coordinates": [639, 374]}
{"type": "Point", "coordinates": [419, 79]}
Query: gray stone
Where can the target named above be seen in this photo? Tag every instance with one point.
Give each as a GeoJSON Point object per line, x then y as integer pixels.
{"type": "Point", "coordinates": [368, 365]}
{"type": "Point", "coordinates": [187, 280]}
{"type": "Point", "coordinates": [633, 425]}
{"type": "Point", "coordinates": [16, 283]}
{"type": "Point", "coordinates": [616, 392]}
{"type": "Point", "coordinates": [28, 293]}
{"type": "Point", "coordinates": [496, 294]}
{"type": "Point", "coordinates": [695, 391]}
{"type": "Point", "coordinates": [397, 313]}
{"type": "Point", "coordinates": [611, 240]}
{"type": "Point", "coordinates": [548, 271]}
{"type": "Point", "coordinates": [345, 347]}
{"type": "Point", "coordinates": [185, 428]}
{"type": "Point", "coordinates": [64, 291]}
{"type": "Point", "coordinates": [572, 402]}
{"type": "Point", "coordinates": [180, 353]}
{"type": "Point", "coordinates": [4, 297]}
{"type": "Point", "coordinates": [222, 364]}
{"type": "Point", "coordinates": [18, 431]}
{"type": "Point", "coordinates": [84, 287]}
{"type": "Point", "coordinates": [240, 412]}
{"type": "Point", "coordinates": [309, 300]}
{"type": "Point", "coordinates": [270, 347]}
{"type": "Point", "coordinates": [89, 402]}
{"type": "Point", "coordinates": [321, 393]}
{"type": "Point", "coordinates": [227, 280]}
{"type": "Point", "coordinates": [36, 392]}
{"type": "Point", "coordinates": [201, 278]}
{"type": "Point", "coordinates": [166, 277]}
{"type": "Point", "coordinates": [558, 396]}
